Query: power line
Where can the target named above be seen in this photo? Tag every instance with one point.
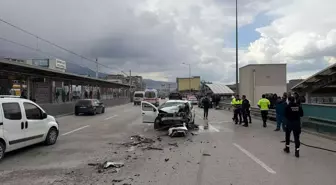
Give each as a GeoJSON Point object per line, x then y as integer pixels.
{"type": "Point", "coordinates": [51, 43]}
{"type": "Point", "coordinates": [31, 48]}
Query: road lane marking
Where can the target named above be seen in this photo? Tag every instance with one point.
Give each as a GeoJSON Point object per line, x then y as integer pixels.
{"type": "Point", "coordinates": [75, 130]}
{"type": "Point", "coordinates": [110, 117]}
{"type": "Point", "coordinates": [255, 159]}
{"type": "Point", "coordinates": [212, 128]}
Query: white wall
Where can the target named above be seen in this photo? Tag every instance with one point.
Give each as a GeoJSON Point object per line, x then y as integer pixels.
{"type": "Point", "coordinates": [260, 90]}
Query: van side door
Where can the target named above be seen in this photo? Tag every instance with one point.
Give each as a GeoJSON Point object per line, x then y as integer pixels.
{"type": "Point", "coordinates": [13, 124]}
{"type": "Point", "coordinates": [34, 124]}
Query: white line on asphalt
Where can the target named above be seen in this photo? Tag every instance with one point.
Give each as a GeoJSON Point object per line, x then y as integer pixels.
{"type": "Point", "coordinates": [255, 159]}
{"type": "Point", "coordinates": [75, 130]}
{"type": "Point", "coordinates": [110, 117]}
{"type": "Point", "coordinates": [213, 128]}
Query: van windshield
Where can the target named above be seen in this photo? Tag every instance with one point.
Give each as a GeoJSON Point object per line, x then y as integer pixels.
{"type": "Point", "coordinates": [150, 94]}
{"type": "Point", "coordinates": [138, 95]}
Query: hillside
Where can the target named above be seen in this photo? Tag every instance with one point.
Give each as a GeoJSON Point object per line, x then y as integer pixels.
{"type": "Point", "coordinates": [74, 68]}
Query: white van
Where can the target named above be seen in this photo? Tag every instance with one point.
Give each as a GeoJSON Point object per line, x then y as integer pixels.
{"type": "Point", "coordinates": [24, 123]}
{"type": "Point", "coordinates": [151, 96]}
{"type": "Point", "coordinates": [138, 97]}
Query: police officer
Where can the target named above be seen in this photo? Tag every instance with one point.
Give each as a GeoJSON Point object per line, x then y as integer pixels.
{"type": "Point", "coordinates": [245, 110]}
{"type": "Point", "coordinates": [264, 105]}
{"type": "Point", "coordinates": [237, 103]}
{"type": "Point", "coordinates": [293, 114]}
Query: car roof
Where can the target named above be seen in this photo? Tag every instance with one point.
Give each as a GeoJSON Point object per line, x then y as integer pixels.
{"type": "Point", "coordinates": [8, 100]}
{"type": "Point", "coordinates": [182, 101]}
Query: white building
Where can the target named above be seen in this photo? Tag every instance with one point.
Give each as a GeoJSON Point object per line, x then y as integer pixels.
{"type": "Point", "coordinates": [55, 64]}
{"type": "Point", "coordinates": [258, 79]}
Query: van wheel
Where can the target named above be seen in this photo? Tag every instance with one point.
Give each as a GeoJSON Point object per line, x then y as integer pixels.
{"type": "Point", "coordinates": [51, 136]}
{"type": "Point", "coordinates": [2, 150]}
{"type": "Point", "coordinates": [157, 123]}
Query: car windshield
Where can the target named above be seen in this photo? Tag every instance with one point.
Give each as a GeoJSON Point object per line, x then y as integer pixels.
{"type": "Point", "coordinates": [170, 104]}
{"type": "Point", "coordinates": [150, 94]}
{"type": "Point", "coordinates": [138, 95]}
{"type": "Point", "coordinates": [83, 102]}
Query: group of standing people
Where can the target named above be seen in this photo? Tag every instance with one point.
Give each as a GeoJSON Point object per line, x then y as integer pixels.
{"type": "Point", "coordinates": [288, 115]}
{"type": "Point", "coordinates": [241, 108]}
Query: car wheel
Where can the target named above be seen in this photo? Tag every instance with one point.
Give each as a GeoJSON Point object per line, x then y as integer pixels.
{"type": "Point", "coordinates": [157, 123]}
{"type": "Point", "coordinates": [94, 112]}
{"type": "Point", "coordinates": [103, 111]}
{"type": "Point", "coordinates": [2, 150]}
{"type": "Point", "coordinates": [76, 113]}
{"type": "Point", "coordinates": [51, 136]}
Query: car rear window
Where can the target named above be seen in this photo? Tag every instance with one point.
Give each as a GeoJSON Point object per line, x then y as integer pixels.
{"type": "Point", "coordinates": [138, 95]}
{"type": "Point", "coordinates": [150, 94]}
{"type": "Point", "coordinates": [84, 102]}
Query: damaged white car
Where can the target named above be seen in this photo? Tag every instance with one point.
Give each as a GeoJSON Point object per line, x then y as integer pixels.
{"type": "Point", "coordinates": [172, 113]}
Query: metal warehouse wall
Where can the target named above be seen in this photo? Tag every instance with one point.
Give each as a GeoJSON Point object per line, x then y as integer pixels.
{"type": "Point", "coordinates": [183, 83]}
{"type": "Point", "coordinates": [257, 79]}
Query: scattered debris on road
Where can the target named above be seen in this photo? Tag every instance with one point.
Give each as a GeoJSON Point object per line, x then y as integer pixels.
{"type": "Point", "coordinates": [152, 148]}
{"type": "Point", "coordinates": [167, 159]}
{"type": "Point", "coordinates": [101, 167]}
{"type": "Point", "coordinates": [205, 154]}
{"type": "Point", "coordinates": [173, 144]}
{"type": "Point", "coordinates": [178, 131]}
{"type": "Point", "coordinates": [117, 180]}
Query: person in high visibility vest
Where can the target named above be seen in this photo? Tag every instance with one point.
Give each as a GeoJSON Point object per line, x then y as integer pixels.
{"type": "Point", "coordinates": [237, 104]}
{"type": "Point", "coordinates": [264, 105]}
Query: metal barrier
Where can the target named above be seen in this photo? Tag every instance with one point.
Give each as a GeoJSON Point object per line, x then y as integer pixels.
{"type": "Point", "coordinates": [317, 118]}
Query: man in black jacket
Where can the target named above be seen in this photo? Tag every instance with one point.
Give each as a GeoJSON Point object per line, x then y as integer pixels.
{"type": "Point", "coordinates": [245, 110]}
{"type": "Point", "coordinates": [293, 114]}
{"type": "Point", "coordinates": [206, 104]}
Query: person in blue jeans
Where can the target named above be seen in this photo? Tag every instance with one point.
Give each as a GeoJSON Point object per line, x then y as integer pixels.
{"type": "Point", "coordinates": [280, 107]}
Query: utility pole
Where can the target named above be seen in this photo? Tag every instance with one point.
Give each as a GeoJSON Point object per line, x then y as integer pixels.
{"type": "Point", "coordinates": [130, 76]}
{"type": "Point", "coordinates": [189, 76]}
{"type": "Point", "coordinates": [237, 86]}
{"type": "Point", "coordinates": [190, 79]}
{"type": "Point", "coordinates": [96, 67]}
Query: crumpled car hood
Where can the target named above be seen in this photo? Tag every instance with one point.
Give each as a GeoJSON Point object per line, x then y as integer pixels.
{"type": "Point", "coordinates": [170, 109]}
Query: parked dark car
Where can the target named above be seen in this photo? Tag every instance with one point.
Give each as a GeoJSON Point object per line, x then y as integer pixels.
{"type": "Point", "coordinates": [89, 106]}
{"type": "Point", "coordinates": [175, 96]}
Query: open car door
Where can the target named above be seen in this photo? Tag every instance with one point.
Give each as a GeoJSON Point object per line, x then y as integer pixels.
{"type": "Point", "coordinates": [149, 112]}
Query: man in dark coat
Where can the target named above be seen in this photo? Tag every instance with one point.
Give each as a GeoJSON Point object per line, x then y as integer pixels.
{"type": "Point", "coordinates": [206, 104]}
{"type": "Point", "coordinates": [245, 110]}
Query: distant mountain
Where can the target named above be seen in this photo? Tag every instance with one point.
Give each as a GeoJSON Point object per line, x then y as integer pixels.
{"type": "Point", "coordinates": [76, 69]}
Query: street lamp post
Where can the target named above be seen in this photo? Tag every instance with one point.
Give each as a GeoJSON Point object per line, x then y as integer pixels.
{"type": "Point", "coordinates": [189, 76]}
{"type": "Point", "coordinates": [237, 87]}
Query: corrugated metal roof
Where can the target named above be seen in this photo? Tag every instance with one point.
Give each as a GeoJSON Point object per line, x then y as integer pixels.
{"type": "Point", "coordinates": [220, 89]}
{"type": "Point", "coordinates": [325, 72]}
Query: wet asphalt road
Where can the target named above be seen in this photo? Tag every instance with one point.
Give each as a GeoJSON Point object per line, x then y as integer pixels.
{"type": "Point", "coordinates": [225, 154]}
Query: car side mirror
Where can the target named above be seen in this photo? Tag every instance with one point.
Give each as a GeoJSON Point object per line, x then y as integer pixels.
{"type": "Point", "coordinates": [44, 115]}
{"type": "Point", "coordinates": [154, 109]}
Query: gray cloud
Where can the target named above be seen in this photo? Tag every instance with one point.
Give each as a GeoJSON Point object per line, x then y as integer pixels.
{"type": "Point", "coordinates": [130, 34]}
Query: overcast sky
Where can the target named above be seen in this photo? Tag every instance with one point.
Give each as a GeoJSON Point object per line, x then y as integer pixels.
{"type": "Point", "coordinates": [154, 37]}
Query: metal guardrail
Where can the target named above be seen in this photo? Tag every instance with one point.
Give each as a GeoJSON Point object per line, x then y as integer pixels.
{"type": "Point", "coordinates": [254, 110]}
